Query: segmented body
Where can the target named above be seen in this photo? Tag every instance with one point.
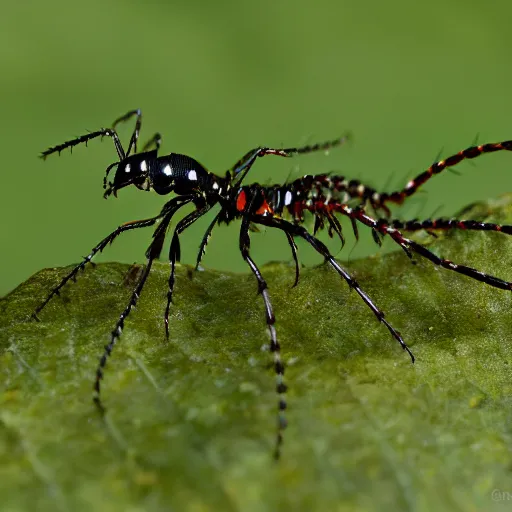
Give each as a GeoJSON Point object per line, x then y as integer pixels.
{"type": "Point", "coordinates": [327, 198]}
{"type": "Point", "coordinates": [317, 194]}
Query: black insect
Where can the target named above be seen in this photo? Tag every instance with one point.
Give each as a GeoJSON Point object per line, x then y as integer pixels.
{"type": "Point", "coordinates": [322, 196]}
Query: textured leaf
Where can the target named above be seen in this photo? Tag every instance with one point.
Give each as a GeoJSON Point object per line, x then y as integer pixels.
{"type": "Point", "coordinates": [191, 423]}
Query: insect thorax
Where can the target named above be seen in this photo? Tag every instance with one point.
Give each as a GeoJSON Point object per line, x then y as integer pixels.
{"type": "Point", "coordinates": [178, 173]}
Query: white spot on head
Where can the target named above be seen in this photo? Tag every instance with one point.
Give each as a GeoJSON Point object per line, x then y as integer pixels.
{"type": "Point", "coordinates": [168, 170]}
{"type": "Point", "coordinates": [192, 175]}
{"type": "Point", "coordinates": [360, 189]}
{"type": "Point", "coordinates": [288, 198]}
{"type": "Point", "coordinates": [143, 166]}
{"type": "Point", "coordinates": [215, 186]}
{"type": "Point", "coordinates": [127, 168]}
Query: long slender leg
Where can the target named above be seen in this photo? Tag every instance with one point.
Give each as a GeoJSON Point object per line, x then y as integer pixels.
{"type": "Point", "coordinates": [99, 248]}
{"type": "Point", "coordinates": [169, 206]}
{"type": "Point", "coordinates": [413, 185]}
{"type": "Point", "coordinates": [152, 253]}
{"type": "Point", "coordinates": [175, 255]}
{"type": "Point", "coordinates": [85, 139]}
{"type": "Point", "coordinates": [275, 347]}
{"type": "Point", "coordinates": [115, 335]}
{"type": "Point", "coordinates": [136, 132]}
{"type": "Point", "coordinates": [409, 245]}
{"type": "Point", "coordinates": [242, 167]}
{"type": "Point", "coordinates": [322, 249]}
{"type": "Point", "coordinates": [446, 224]}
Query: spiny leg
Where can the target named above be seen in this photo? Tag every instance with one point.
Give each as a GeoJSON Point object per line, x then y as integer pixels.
{"type": "Point", "coordinates": [136, 131]}
{"type": "Point", "coordinates": [409, 245]}
{"type": "Point", "coordinates": [99, 248]}
{"type": "Point", "coordinates": [242, 167]}
{"type": "Point", "coordinates": [447, 224]}
{"type": "Point", "coordinates": [152, 253]}
{"type": "Point", "coordinates": [170, 206]}
{"type": "Point", "coordinates": [175, 255]}
{"type": "Point", "coordinates": [116, 334]}
{"type": "Point", "coordinates": [322, 249]}
{"type": "Point", "coordinates": [469, 153]}
{"type": "Point", "coordinates": [275, 348]}
{"type": "Point", "coordinates": [84, 139]}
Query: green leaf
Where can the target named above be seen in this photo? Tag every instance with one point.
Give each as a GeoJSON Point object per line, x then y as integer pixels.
{"type": "Point", "coordinates": [190, 423]}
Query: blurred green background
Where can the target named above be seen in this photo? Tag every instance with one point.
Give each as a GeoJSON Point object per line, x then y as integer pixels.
{"type": "Point", "coordinates": [410, 80]}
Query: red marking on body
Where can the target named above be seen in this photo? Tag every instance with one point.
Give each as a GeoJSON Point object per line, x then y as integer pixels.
{"type": "Point", "coordinates": [241, 201]}
{"type": "Point", "coordinates": [264, 208]}
{"type": "Point", "coordinates": [320, 206]}
{"type": "Point", "coordinates": [296, 209]}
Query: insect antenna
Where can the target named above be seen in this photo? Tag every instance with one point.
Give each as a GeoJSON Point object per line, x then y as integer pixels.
{"type": "Point", "coordinates": [136, 131]}
{"type": "Point", "coordinates": [84, 139]}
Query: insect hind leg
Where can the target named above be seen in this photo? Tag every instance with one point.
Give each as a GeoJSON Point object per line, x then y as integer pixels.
{"type": "Point", "coordinates": [274, 346]}
{"type": "Point", "coordinates": [320, 247]}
